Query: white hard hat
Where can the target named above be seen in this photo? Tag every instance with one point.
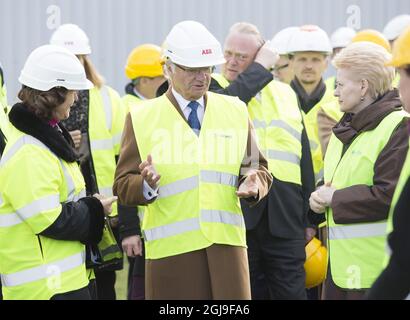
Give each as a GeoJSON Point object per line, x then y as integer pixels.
{"type": "Point", "coordinates": [73, 38]}
{"type": "Point", "coordinates": [309, 38]}
{"type": "Point", "coordinates": [342, 37]}
{"type": "Point", "coordinates": [281, 40]}
{"type": "Point", "coordinates": [190, 44]}
{"type": "Point", "coordinates": [52, 66]}
{"type": "Point", "coordinates": [396, 26]}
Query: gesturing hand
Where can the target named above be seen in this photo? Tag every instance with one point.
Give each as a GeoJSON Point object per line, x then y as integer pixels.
{"type": "Point", "coordinates": [149, 173]}
{"type": "Point", "coordinates": [248, 188]}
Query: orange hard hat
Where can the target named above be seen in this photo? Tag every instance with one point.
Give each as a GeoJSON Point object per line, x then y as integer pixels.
{"type": "Point", "coordinates": [316, 263]}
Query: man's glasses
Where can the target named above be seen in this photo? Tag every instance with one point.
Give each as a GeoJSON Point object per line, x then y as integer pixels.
{"type": "Point", "coordinates": [278, 68]}
{"type": "Point", "coordinates": [207, 70]}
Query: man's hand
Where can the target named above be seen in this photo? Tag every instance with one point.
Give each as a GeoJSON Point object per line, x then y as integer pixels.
{"type": "Point", "coordinates": [267, 56]}
{"type": "Point", "coordinates": [106, 202]}
{"type": "Point", "coordinates": [132, 246]}
{"type": "Point", "coordinates": [309, 234]}
{"type": "Point", "coordinates": [248, 188]}
{"type": "Point", "coordinates": [76, 136]}
{"type": "Point", "coordinates": [326, 192]}
{"type": "Point", "coordinates": [149, 174]}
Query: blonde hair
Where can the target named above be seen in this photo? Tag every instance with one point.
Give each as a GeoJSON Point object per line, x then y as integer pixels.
{"type": "Point", "coordinates": [91, 71]}
{"type": "Point", "coordinates": [247, 28]}
{"type": "Point", "coordinates": [367, 60]}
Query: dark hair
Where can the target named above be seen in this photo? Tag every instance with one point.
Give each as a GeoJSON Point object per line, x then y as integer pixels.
{"type": "Point", "coordinates": [43, 103]}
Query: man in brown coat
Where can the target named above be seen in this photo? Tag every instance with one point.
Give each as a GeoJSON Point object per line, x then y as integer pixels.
{"type": "Point", "coordinates": [218, 269]}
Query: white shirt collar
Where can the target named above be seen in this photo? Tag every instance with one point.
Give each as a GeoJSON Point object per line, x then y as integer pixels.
{"type": "Point", "coordinates": [139, 95]}
{"type": "Point", "coordinates": [183, 103]}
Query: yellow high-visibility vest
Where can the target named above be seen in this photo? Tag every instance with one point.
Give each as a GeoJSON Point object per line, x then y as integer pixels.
{"type": "Point", "coordinates": [357, 250]}
{"type": "Point", "coordinates": [129, 101]}
{"type": "Point", "coordinates": [197, 203]}
{"type": "Point", "coordinates": [34, 183]}
{"type": "Point", "coordinates": [277, 120]}
{"type": "Point", "coordinates": [107, 117]}
{"type": "Point", "coordinates": [330, 106]}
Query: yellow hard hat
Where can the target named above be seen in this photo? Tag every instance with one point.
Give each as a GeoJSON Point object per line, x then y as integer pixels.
{"type": "Point", "coordinates": [144, 61]}
{"type": "Point", "coordinates": [401, 50]}
{"type": "Point", "coordinates": [374, 36]}
{"type": "Point", "coordinates": [316, 263]}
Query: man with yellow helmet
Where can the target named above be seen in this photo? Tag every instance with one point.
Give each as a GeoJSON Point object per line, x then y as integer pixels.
{"type": "Point", "coordinates": [144, 69]}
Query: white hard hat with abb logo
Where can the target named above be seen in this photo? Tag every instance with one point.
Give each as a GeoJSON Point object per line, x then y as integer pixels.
{"type": "Point", "coordinates": [52, 66]}
{"type": "Point", "coordinates": [190, 44]}
{"type": "Point", "coordinates": [309, 38]}
{"type": "Point", "coordinates": [73, 38]}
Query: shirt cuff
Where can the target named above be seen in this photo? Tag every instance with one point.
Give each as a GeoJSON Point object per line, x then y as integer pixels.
{"type": "Point", "coordinates": [148, 192]}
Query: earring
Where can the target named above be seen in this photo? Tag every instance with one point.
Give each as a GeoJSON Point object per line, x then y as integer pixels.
{"type": "Point", "coordinates": [362, 99]}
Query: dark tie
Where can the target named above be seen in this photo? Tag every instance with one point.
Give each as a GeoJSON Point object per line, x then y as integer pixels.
{"type": "Point", "coordinates": [193, 120]}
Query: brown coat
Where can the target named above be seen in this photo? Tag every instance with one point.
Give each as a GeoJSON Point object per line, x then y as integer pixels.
{"type": "Point", "coordinates": [128, 184]}
{"type": "Point", "coordinates": [361, 203]}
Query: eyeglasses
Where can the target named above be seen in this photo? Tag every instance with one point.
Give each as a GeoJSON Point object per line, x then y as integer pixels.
{"type": "Point", "coordinates": [278, 68]}
{"type": "Point", "coordinates": [207, 70]}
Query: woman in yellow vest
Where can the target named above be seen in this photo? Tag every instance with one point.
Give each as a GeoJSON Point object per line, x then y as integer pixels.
{"type": "Point", "coordinates": [96, 125]}
{"type": "Point", "coordinates": [362, 165]}
{"type": "Point", "coordinates": [394, 281]}
{"type": "Point", "coordinates": [45, 218]}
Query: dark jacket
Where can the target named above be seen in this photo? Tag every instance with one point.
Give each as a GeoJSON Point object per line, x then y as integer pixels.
{"type": "Point", "coordinates": [287, 203]}
{"type": "Point", "coordinates": [361, 203]}
{"type": "Point", "coordinates": [394, 281]}
{"type": "Point", "coordinates": [78, 221]}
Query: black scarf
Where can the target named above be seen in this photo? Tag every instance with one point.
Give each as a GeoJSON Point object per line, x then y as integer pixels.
{"type": "Point", "coordinates": [307, 102]}
{"type": "Point", "coordinates": [60, 143]}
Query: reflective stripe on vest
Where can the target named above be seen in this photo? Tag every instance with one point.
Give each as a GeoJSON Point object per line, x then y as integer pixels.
{"type": "Point", "coordinates": [278, 124]}
{"type": "Point", "coordinates": [191, 183]}
{"type": "Point", "coordinates": [44, 204]}
{"type": "Point", "coordinates": [282, 155]}
{"type": "Point", "coordinates": [70, 186]}
{"type": "Point", "coordinates": [210, 216]}
{"type": "Point", "coordinates": [109, 250]}
{"type": "Point", "coordinates": [30, 210]}
{"type": "Point", "coordinates": [42, 272]}
{"type": "Point", "coordinates": [357, 231]}
{"type": "Point", "coordinates": [107, 192]}
{"type": "Point", "coordinates": [105, 95]}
